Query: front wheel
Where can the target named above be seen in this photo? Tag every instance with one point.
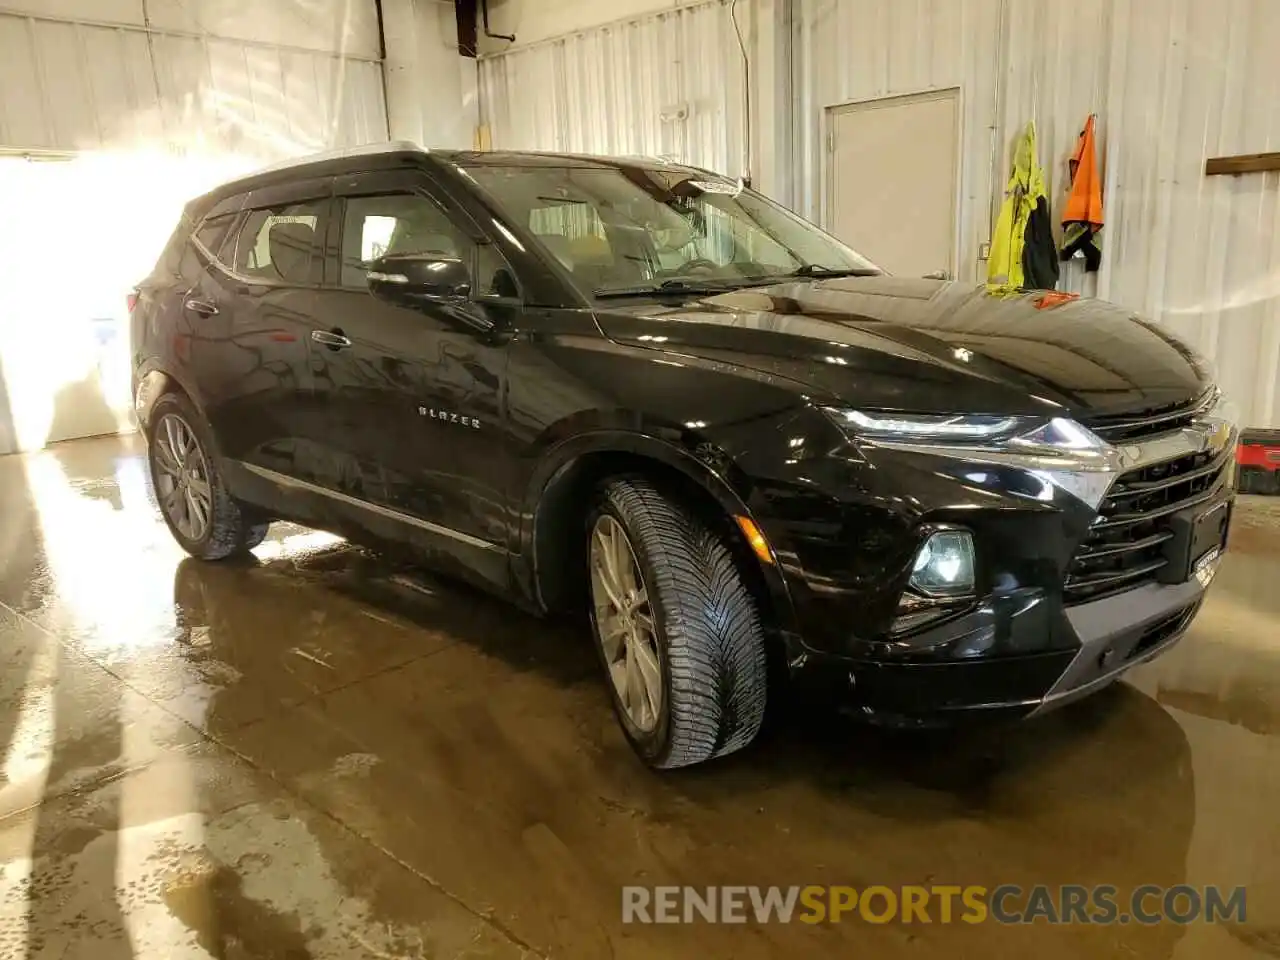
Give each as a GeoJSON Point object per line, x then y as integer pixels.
{"type": "Point", "coordinates": [200, 512]}
{"type": "Point", "coordinates": [677, 630]}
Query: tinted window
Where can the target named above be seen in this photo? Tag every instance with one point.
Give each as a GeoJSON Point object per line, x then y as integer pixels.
{"type": "Point", "coordinates": [282, 244]}
{"type": "Point", "coordinates": [213, 232]}
{"type": "Point", "coordinates": [494, 276]}
{"type": "Point", "coordinates": [374, 227]}
{"type": "Point", "coordinates": [618, 227]}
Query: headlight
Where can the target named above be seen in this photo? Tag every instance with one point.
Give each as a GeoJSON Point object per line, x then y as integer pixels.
{"type": "Point", "coordinates": [1222, 408]}
{"type": "Point", "coordinates": [1059, 452]}
{"type": "Point", "coordinates": [944, 565]}
{"type": "Point", "coordinates": [953, 427]}
{"type": "Point", "coordinates": [1059, 434]}
{"type": "Point", "coordinates": [1024, 435]}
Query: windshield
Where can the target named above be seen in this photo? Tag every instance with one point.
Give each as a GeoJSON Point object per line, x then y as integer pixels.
{"type": "Point", "coordinates": [622, 230]}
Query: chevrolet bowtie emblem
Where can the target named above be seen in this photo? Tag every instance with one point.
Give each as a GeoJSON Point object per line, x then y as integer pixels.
{"type": "Point", "coordinates": [1219, 437]}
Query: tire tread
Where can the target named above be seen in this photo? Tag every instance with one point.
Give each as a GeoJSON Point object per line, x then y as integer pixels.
{"type": "Point", "coordinates": [714, 635]}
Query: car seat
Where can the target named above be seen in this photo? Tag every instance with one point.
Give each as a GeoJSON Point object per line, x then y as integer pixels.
{"type": "Point", "coordinates": [290, 244]}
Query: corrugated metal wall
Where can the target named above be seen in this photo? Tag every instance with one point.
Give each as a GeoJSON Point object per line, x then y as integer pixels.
{"type": "Point", "coordinates": [1172, 82]}
{"type": "Point", "coordinates": [77, 86]}
{"type": "Point", "coordinates": [861, 49]}
{"type": "Point", "coordinates": [620, 89]}
{"type": "Point", "coordinates": [153, 103]}
{"type": "Point", "coordinates": [1190, 80]}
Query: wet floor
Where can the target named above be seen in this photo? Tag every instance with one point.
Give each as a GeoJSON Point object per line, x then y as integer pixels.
{"type": "Point", "coordinates": [319, 755]}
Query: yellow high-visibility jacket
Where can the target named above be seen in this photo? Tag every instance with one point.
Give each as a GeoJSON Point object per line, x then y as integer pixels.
{"type": "Point", "coordinates": [1024, 199]}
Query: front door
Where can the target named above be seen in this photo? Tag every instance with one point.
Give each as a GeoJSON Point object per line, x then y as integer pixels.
{"type": "Point", "coordinates": [411, 396]}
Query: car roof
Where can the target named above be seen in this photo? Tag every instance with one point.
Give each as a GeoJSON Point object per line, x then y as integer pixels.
{"type": "Point", "coordinates": [343, 153]}
{"type": "Point", "coordinates": [536, 158]}
{"type": "Point", "coordinates": [404, 153]}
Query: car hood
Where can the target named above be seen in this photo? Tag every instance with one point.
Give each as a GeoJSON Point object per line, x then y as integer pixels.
{"type": "Point", "coordinates": [925, 345]}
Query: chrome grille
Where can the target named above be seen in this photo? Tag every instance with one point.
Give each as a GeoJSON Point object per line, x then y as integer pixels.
{"type": "Point", "coordinates": [1125, 545]}
{"type": "Point", "coordinates": [1124, 428]}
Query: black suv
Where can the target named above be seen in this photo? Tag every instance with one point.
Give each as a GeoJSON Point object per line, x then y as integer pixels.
{"type": "Point", "coordinates": [643, 390]}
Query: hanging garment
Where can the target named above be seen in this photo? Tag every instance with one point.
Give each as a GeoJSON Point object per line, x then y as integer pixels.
{"type": "Point", "coordinates": [1022, 250]}
{"type": "Point", "coordinates": [1082, 218]}
{"type": "Point", "coordinates": [1039, 255]}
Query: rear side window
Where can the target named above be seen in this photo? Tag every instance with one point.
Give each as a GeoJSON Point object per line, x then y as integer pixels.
{"type": "Point", "coordinates": [213, 231]}
{"type": "Point", "coordinates": [283, 244]}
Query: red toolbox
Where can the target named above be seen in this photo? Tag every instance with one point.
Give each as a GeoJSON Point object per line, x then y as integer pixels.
{"type": "Point", "coordinates": [1258, 462]}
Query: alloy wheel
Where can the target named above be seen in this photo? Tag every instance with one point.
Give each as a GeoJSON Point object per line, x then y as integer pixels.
{"type": "Point", "coordinates": [624, 621]}
{"type": "Point", "coordinates": [182, 477]}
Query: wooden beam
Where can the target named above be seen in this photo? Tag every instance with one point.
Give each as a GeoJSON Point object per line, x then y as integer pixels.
{"type": "Point", "coordinates": [1242, 163]}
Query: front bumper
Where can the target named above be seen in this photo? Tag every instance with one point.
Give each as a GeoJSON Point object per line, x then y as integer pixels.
{"type": "Point", "coordinates": [1121, 632]}
{"type": "Point", "coordinates": [1114, 634]}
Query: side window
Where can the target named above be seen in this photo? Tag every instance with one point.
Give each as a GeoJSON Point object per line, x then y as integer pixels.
{"type": "Point", "coordinates": [374, 227]}
{"type": "Point", "coordinates": [494, 276]}
{"type": "Point", "coordinates": [282, 244]}
{"type": "Point", "coordinates": [213, 231]}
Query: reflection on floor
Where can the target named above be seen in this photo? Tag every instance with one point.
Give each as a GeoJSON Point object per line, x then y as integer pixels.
{"type": "Point", "coordinates": [318, 755]}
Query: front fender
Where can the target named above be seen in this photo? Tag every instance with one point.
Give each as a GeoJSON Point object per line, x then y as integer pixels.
{"type": "Point", "coordinates": [701, 464]}
{"type": "Point", "coordinates": [696, 459]}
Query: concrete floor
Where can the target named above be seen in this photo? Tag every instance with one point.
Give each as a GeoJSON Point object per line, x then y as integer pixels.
{"type": "Point", "coordinates": [318, 755]}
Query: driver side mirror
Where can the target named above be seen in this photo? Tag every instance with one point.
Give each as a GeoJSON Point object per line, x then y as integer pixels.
{"type": "Point", "coordinates": [415, 278]}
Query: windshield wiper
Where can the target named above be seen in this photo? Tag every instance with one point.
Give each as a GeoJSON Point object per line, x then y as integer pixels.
{"type": "Point", "coordinates": [666, 286]}
{"type": "Point", "coordinates": [818, 270]}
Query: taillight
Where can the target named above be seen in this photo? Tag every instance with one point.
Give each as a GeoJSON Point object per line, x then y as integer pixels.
{"type": "Point", "coordinates": [132, 299]}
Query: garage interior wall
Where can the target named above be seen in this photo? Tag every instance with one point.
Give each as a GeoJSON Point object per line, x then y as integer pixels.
{"type": "Point", "coordinates": [662, 85]}
{"type": "Point", "coordinates": [125, 110]}
{"type": "Point", "coordinates": [198, 75]}
{"type": "Point", "coordinates": [432, 96]}
{"type": "Point", "coordinates": [1171, 81]}
{"type": "Point", "coordinates": [533, 21]}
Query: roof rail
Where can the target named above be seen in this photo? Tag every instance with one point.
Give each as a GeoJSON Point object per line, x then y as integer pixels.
{"type": "Point", "coordinates": [364, 150]}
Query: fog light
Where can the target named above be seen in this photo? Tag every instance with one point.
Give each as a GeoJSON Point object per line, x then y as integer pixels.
{"type": "Point", "coordinates": [944, 565]}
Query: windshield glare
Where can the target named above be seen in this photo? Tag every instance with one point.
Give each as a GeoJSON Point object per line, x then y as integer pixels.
{"type": "Point", "coordinates": [619, 228]}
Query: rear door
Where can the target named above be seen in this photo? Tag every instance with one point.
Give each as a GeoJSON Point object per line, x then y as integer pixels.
{"type": "Point", "coordinates": [250, 316]}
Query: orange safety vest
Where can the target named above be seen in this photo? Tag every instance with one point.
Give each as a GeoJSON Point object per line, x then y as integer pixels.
{"type": "Point", "coordinates": [1082, 218]}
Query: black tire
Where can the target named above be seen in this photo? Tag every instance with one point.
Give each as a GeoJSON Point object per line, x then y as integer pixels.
{"type": "Point", "coordinates": [257, 532]}
{"type": "Point", "coordinates": [231, 530]}
{"type": "Point", "coordinates": [710, 639]}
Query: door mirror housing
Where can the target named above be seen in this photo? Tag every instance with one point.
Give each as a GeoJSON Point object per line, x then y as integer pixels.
{"type": "Point", "coordinates": [420, 277]}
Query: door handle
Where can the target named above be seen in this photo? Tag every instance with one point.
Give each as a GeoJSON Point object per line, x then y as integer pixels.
{"type": "Point", "coordinates": [333, 339]}
{"type": "Point", "coordinates": [202, 307]}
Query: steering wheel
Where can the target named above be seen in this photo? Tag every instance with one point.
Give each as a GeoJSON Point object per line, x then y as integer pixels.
{"type": "Point", "coordinates": [699, 265]}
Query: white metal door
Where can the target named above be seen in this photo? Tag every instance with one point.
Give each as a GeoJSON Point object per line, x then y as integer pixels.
{"type": "Point", "coordinates": [892, 178]}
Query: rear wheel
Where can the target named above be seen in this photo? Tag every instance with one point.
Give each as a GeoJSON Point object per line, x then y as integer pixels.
{"type": "Point", "coordinates": [677, 630]}
{"type": "Point", "coordinates": [193, 498]}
